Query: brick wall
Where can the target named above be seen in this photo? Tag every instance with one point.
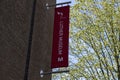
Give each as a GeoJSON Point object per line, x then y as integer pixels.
{"type": "Point", "coordinates": [15, 20]}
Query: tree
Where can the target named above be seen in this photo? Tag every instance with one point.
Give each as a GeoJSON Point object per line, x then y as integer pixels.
{"type": "Point", "coordinates": [95, 40]}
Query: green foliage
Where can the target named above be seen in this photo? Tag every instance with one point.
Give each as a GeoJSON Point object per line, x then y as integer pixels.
{"type": "Point", "coordinates": [95, 40]}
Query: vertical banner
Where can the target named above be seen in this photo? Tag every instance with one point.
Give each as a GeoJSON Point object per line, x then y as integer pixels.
{"type": "Point", "coordinates": [60, 37]}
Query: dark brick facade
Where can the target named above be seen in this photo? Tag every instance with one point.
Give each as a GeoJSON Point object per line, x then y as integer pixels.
{"type": "Point", "coordinates": [15, 21]}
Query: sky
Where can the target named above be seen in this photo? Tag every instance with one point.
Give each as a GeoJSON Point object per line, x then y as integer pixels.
{"type": "Point", "coordinates": [61, 1]}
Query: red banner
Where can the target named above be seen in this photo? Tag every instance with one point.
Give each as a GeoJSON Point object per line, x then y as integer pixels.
{"type": "Point", "coordinates": [60, 37]}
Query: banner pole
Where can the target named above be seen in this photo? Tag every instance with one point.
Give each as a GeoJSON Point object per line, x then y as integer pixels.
{"type": "Point", "coordinates": [54, 72]}
{"type": "Point", "coordinates": [52, 5]}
